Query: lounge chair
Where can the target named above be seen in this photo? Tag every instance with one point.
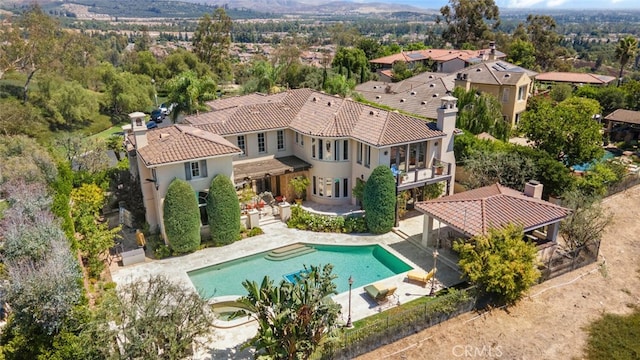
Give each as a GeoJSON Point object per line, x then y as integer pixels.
{"type": "Point", "coordinates": [380, 293]}
{"type": "Point", "coordinates": [421, 277]}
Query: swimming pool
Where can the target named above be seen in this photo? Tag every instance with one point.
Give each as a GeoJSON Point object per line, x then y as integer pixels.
{"type": "Point", "coordinates": [586, 166]}
{"type": "Point", "coordinates": [367, 264]}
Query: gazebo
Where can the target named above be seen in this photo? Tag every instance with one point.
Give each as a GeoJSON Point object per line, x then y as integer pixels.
{"type": "Point", "coordinates": [624, 118]}
{"type": "Point", "coordinates": [474, 212]}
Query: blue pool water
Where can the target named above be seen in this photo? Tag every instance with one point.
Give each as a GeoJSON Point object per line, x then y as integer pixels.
{"type": "Point", "coordinates": [586, 166]}
{"type": "Point", "coordinates": [367, 264]}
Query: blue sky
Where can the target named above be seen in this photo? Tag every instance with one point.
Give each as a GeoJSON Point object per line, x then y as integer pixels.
{"type": "Point", "coordinates": [533, 4]}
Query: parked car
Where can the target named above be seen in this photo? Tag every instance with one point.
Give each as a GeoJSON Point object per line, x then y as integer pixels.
{"type": "Point", "coordinates": [152, 125]}
{"type": "Point", "coordinates": [157, 115]}
{"type": "Point", "coordinates": [167, 108]}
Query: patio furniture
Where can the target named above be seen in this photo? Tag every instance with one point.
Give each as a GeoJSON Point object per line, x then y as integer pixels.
{"type": "Point", "coordinates": [380, 293]}
{"type": "Point", "coordinates": [420, 276]}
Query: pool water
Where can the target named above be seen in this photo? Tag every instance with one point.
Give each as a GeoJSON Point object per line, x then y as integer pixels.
{"type": "Point", "coordinates": [586, 166]}
{"type": "Point", "coordinates": [366, 264]}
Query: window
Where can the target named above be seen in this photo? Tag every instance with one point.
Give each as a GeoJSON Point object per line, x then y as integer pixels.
{"type": "Point", "coordinates": [321, 186]}
{"type": "Point", "coordinates": [505, 95]}
{"type": "Point", "coordinates": [522, 92]}
{"type": "Point", "coordinates": [367, 156]}
{"type": "Point", "coordinates": [262, 144]}
{"type": "Point", "coordinates": [297, 138]}
{"type": "Point", "coordinates": [345, 150]}
{"type": "Point", "coordinates": [336, 150]}
{"type": "Point", "coordinates": [517, 118]}
{"type": "Point", "coordinates": [329, 182]}
{"type": "Point", "coordinates": [360, 146]}
{"type": "Point", "coordinates": [301, 140]}
{"type": "Point", "coordinates": [313, 148]}
{"type": "Point", "coordinates": [242, 145]}
{"type": "Point", "coordinates": [345, 187]}
{"type": "Point", "coordinates": [336, 187]}
{"type": "Point", "coordinates": [320, 150]}
{"type": "Point", "coordinates": [314, 186]}
{"type": "Point", "coordinates": [195, 169]}
{"type": "Point", "coordinates": [280, 136]}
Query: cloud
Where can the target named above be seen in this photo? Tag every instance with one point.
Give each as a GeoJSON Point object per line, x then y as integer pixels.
{"type": "Point", "coordinates": [555, 3]}
{"type": "Point", "coordinates": [522, 3]}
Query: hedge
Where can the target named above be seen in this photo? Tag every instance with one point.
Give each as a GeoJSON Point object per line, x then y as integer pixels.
{"type": "Point", "coordinates": [181, 217]}
{"type": "Point", "coordinates": [379, 200]}
{"type": "Point", "coordinates": [223, 211]}
{"type": "Point", "coordinates": [304, 220]}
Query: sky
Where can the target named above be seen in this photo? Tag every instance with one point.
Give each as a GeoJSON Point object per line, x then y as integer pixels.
{"type": "Point", "coordinates": [531, 4]}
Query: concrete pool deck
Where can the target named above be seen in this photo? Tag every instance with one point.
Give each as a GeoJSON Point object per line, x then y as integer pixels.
{"type": "Point", "coordinates": [227, 341]}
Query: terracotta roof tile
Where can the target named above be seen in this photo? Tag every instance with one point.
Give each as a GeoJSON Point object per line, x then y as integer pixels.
{"type": "Point", "coordinates": [179, 143]}
{"type": "Point", "coordinates": [474, 212]}
{"type": "Point", "coordinates": [576, 78]}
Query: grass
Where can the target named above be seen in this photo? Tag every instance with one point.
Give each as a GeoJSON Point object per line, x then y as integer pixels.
{"type": "Point", "coordinates": [105, 134]}
{"type": "Point", "coordinates": [4, 205]}
{"type": "Point", "coordinates": [614, 337]}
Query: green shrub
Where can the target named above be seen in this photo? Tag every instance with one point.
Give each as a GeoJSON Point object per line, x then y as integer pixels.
{"type": "Point", "coordinates": [182, 217]}
{"type": "Point", "coordinates": [255, 231]}
{"type": "Point", "coordinates": [379, 200]}
{"type": "Point", "coordinates": [162, 251]}
{"type": "Point", "coordinates": [223, 211]}
{"type": "Point", "coordinates": [303, 220]}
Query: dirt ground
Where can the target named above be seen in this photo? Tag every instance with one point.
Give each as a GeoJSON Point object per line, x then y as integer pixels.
{"type": "Point", "coordinates": [550, 323]}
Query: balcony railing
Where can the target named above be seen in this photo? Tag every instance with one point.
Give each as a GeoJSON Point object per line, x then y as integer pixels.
{"type": "Point", "coordinates": [437, 170]}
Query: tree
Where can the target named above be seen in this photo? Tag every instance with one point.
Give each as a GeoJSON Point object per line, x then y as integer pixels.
{"type": "Point", "coordinates": [353, 61]}
{"type": "Point", "coordinates": [181, 217]}
{"type": "Point", "coordinates": [481, 113]}
{"type": "Point", "coordinates": [125, 92]}
{"type": "Point", "coordinates": [545, 40]}
{"type": "Point", "coordinates": [507, 168]}
{"type": "Point", "coordinates": [212, 42]}
{"type": "Point", "coordinates": [338, 84]}
{"type": "Point", "coordinates": [587, 221]}
{"type": "Point", "coordinates": [154, 319]}
{"type": "Point", "coordinates": [560, 92]}
{"type": "Point", "coordinates": [501, 263]}
{"type": "Point", "coordinates": [379, 200]}
{"type": "Point", "coordinates": [190, 93]}
{"type": "Point", "coordinates": [223, 211]}
{"type": "Point", "coordinates": [293, 318]}
{"type": "Point", "coordinates": [626, 49]}
{"type": "Point", "coordinates": [522, 53]}
{"type": "Point", "coordinates": [469, 21]}
{"type": "Point", "coordinates": [567, 131]}
{"type": "Point", "coordinates": [24, 159]}
{"type": "Point", "coordinates": [17, 118]}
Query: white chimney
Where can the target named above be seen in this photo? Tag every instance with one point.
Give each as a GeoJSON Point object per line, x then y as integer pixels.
{"type": "Point", "coordinates": [139, 128]}
{"type": "Point", "coordinates": [533, 189]}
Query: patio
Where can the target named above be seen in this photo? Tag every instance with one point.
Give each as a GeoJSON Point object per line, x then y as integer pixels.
{"type": "Point", "coordinates": [278, 235]}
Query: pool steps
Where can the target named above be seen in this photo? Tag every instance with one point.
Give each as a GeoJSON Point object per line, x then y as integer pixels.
{"type": "Point", "coordinates": [288, 252]}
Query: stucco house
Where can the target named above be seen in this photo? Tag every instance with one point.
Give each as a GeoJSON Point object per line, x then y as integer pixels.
{"type": "Point", "coordinates": [421, 94]}
{"type": "Point", "coordinates": [265, 140]}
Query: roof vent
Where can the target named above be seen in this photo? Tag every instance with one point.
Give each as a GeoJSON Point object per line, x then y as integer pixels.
{"type": "Point", "coordinates": [507, 75]}
{"type": "Point", "coordinates": [315, 99]}
{"type": "Point", "coordinates": [403, 100]}
{"type": "Point", "coordinates": [164, 135]}
{"type": "Point", "coordinates": [378, 96]}
{"type": "Point", "coordinates": [375, 86]}
{"type": "Point", "coordinates": [478, 70]}
{"type": "Point", "coordinates": [371, 112]}
{"type": "Point", "coordinates": [423, 102]}
{"type": "Point", "coordinates": [434, 95]}
{"type": "Point", "coordinates": [430, 76]}
{"type": "Point", "coordinates": [432, 85]}
{"type": "Point", "coordinates": [329, 103]}
{"type": "Point", "coordinates": [413, 93]}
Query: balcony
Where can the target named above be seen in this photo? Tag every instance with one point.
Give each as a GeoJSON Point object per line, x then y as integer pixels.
{"type": "Point", "coordinates": [439, 171]}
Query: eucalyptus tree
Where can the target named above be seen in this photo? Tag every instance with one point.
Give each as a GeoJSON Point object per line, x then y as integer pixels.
{"type": "Point", "coordinates": [212, 41]}
{"type": "Point", "coordinates": [469, 21]}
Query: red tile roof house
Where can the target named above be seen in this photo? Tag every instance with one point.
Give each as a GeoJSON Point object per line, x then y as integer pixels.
{"type": "Point", "coordinates": [265, 140]}
{"type": "Point", "coordinates": [474, 212]}
{"type": "Point", "coordinates": [574, 78]}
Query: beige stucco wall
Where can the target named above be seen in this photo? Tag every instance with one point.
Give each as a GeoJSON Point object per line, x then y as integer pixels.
{"type": "Point", "coordinates": [271, 137]}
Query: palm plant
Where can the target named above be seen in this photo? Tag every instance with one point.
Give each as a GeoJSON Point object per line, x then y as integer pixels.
{"type": "Point", "coordinates": [627, 49]}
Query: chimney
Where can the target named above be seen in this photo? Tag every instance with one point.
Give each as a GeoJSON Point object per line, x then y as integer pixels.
{"type": "Point", "coordinates": [492, 50]}
{"type": "Point", "coordinates": [139, 128]}
{"type": "Point", "coordinates": [533, 189]}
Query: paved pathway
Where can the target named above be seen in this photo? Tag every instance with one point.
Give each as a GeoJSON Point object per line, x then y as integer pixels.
{"type": "Point", "coordinates": [276, 235]}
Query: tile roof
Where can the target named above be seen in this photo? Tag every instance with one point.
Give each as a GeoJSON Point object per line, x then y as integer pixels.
{"type": "Point", "coordinates": [420, 94]}
{"type": "Point", "coordinates": [575, 78]}
{"type": "Point", "coordinates": [473, 212]}
{"type": "Point", "coordinates": [487, 73]}
{"type": "Point", "coordinates": [625, 116]}
{"type": "Point", "coordinates": [315, 114]}
{"type": "Point", "coordinates": [179, 143]}
{"type": "Point", "coordinates": [439, 55]}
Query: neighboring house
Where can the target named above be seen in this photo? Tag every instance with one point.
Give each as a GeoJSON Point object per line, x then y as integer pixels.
{"type": "Point", "coordinates": [444, 60]}
{"type": "Point", "coordinates": [474, 212]}
{"type": "Point", "coordinates": [421, 94]}
{"type": "Point", "coordinates": [265, 140]}
{"type": "Point", "coordinates": [576, 79]}
{"type": "Point", "coordinates": [623, 125]}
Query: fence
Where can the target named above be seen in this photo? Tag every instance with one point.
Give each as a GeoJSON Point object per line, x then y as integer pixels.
{"type": "Point", "coordinates": [397, 326]}
{"type": "Point", "coordinates": [627, 182]}
{"type": "Point", "coordinates": [562, 262]}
